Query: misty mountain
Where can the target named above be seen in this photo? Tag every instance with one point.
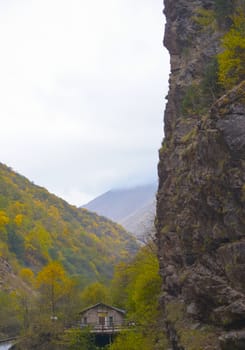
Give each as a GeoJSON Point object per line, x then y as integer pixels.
{"type": "Point", "coordinates": [133, 208]}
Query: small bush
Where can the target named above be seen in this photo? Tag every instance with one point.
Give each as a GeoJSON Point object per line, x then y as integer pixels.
{"type": "Point", "coordinates": [231, 60]}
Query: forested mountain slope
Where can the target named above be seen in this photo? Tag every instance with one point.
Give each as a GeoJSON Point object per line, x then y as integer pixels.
{"type": "Point", "coordinates": [200, 205]}
{"type": "Point", "coordinates": [37, 227]}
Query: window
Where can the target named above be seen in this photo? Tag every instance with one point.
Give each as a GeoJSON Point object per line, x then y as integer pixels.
{"type": "Point", "coordinates": [110, 321]}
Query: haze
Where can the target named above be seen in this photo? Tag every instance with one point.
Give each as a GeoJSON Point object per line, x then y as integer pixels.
{"type": "Point", "coordinates": [82, 93]}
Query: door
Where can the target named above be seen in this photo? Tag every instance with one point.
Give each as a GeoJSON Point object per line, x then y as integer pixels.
{"type": "Point", "coordinates": [101, 321]}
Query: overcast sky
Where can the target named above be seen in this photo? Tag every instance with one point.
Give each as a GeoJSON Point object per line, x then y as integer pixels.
{"type": "Point", "coordinates": [82, 87]}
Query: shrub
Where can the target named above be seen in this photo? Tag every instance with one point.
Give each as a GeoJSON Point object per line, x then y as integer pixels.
{"type": "Point", "coordinates": [231, 60]}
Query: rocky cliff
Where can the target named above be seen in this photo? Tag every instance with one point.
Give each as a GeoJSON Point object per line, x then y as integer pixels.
{"type": "Point", "coordinates": [10, 281]}
{"type": "Point", "coordinates": [200, 205]}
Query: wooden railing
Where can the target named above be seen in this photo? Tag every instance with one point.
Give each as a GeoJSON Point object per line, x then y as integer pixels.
{"type": "Point", "coordinates": [104, 328]}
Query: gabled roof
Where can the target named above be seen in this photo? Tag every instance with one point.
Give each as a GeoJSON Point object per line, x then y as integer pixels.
{"type": "Point", "coordinates": [102, 304]}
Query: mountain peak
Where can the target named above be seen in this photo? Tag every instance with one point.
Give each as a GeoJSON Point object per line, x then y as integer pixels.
{"type": "Point", "coordinates": [127, 206]}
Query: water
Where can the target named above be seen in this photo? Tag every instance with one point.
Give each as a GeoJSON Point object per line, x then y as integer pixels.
{"type": "Point", "coordinates": [5, 346]}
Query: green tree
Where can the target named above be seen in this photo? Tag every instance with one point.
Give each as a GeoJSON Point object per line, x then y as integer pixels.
{"type": "Point", "coordinates": [120, 284]}
{"type": "Point", "coordinates": [79, 339]}
{"type": "Point", "coordinates": [144, 287]}
{"type": "Point", "coordinates": [10, 314]}
{"type": "Point", "coordinates": [132, 340]}
{"type": "Point", "coordinates": [136, 287]}
{"type": "Point", "coordinates": [210, 84]}
{"type": "Point", "coordinates": [95, 293]}
{"type": "Point", "coordinates": [15, 241]}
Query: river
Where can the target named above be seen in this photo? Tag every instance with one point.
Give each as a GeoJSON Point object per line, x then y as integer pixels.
{"type": "Point", "coordinates": [5, 346]}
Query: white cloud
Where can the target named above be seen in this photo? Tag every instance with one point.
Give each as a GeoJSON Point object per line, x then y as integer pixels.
{"type": "Point", "coordinates": [82, 92]}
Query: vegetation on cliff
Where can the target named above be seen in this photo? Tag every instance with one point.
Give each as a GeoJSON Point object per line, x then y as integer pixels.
{"type": "Point", "coordinates": [200, 204]}
{"type": "Point", "coordinates": [225, 67]}
{"type": "Point", "coordinates": [231, 59]}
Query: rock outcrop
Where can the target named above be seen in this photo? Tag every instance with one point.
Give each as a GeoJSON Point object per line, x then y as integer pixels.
{"type": "Point", "coordinates": [5, 272]}
{"type": "Point", "coordinates": [10, 281]}
{"type": "Point", "coordinates": [200, 206]}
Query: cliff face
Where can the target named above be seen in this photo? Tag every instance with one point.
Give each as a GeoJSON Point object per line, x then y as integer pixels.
{"type": "Point", "coordinates": [200, 206]}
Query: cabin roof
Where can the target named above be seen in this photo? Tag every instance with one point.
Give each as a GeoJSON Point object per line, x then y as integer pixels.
{"type": "Point", "coordinates": [102, 304]}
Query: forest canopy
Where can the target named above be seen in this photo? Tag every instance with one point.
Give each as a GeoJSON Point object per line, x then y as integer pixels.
{"type": "Point", "coordinates": [37, 227]}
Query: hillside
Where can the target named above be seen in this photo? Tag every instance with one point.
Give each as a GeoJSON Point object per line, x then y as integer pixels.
{"type": "Point", "coordinates": [37, 227]}
{"type": "Point", "coordinates": [141, 222]}
{"type": "Point", "coordinates": [200, 202]}
{"type": "Point", "coordinates": [133, 208]}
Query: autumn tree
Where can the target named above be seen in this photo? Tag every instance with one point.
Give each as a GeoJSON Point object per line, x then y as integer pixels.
{"type": "Point", "coordinates": [27, 275]}
{"type": "Point", "coordinates": [4, 220]}
{"type": "Point", "coordinates": [53, 285]}
{"type": "Point", "coordinates": [37, 242]}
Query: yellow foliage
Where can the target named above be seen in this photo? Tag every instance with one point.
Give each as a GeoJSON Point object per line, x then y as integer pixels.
{"type": "Point", "coordinates": [18, 219]}
{"type": "Point", "coordinates": [27, 275]}
{"type": "Point", "coordinates": [53, 212]}
{"type": "Point", "coordinates": [38, 227]}
{"type": "Point", "coordinates": [17, 208]}
{"type": "Point", "coordinates": [4, 219]}
{"type": "Point", "coordinates": [231, 60]}
{"type": "Point", "coordinates": [51, 274]}
{"type": "Point", "coordinates": [38, 240]}
{"type": "Point", "coordinates": [53, 283]}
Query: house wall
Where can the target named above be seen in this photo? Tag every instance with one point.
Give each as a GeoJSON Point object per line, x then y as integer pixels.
{"type": "Point", "coordinates": [92, 316]}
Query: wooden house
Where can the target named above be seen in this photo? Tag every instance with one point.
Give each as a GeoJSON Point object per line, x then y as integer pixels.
{"type": "Point", "coordinates": [102, 318]}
